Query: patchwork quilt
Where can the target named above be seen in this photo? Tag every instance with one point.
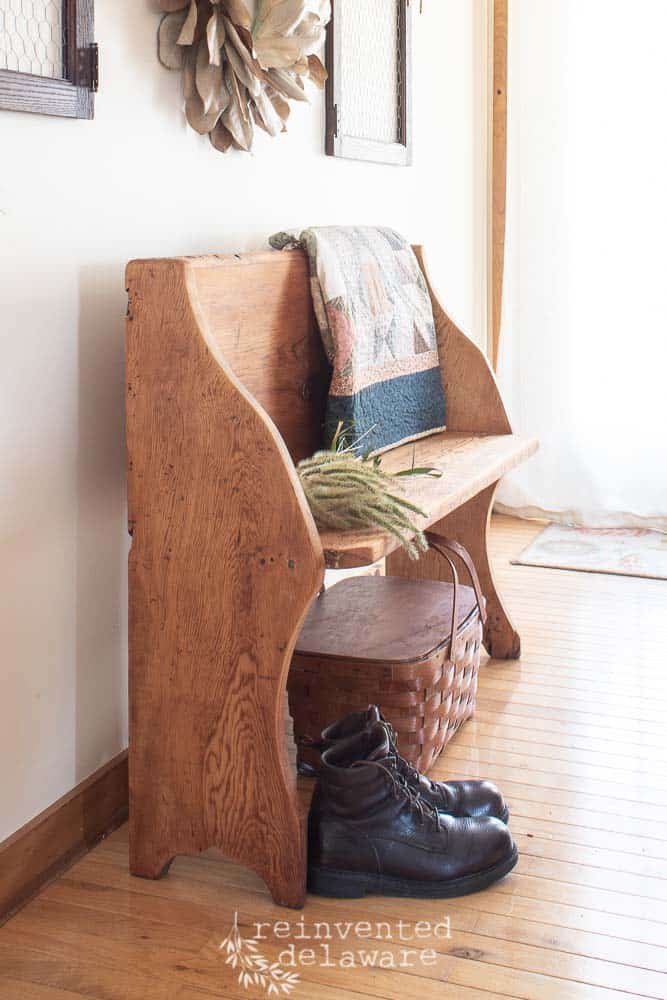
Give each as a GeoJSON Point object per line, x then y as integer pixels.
{"type": "Point", "coordinates": [375, 317]}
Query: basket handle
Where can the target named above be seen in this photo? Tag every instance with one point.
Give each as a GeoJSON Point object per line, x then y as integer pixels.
{"type": "Point", "coordinates": [439, 543]}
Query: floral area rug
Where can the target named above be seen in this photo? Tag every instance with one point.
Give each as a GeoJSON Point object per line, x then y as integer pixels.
{"type": "Point", "coordinates": [620, 551]}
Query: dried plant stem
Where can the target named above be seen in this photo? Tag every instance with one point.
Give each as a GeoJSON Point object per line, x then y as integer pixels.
{"type": "Point", "coordinates": [348, 493]}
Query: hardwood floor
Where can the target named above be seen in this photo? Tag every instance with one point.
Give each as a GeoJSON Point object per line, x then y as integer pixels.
{"type": "Point", "coordinates": [575, 735]}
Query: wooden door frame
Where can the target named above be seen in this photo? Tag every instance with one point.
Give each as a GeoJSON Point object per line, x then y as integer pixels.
{"type": "Point", "coordinates": [498, 18]}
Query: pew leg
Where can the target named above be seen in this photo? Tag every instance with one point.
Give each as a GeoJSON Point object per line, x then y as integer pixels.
{"type": "Point", "coordinates": [147, 860]}
{"type": "Point", "coordinates": [234, 791]}
{"type": "Point", "coordinates": [469, 525]}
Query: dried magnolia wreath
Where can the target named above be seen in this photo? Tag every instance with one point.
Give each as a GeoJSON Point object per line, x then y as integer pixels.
{"type": "Point", "coordinates": [239, 72]}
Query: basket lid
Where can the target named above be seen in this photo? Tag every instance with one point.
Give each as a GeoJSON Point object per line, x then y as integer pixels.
{"type": "Point", "coordinates": [383, 618]}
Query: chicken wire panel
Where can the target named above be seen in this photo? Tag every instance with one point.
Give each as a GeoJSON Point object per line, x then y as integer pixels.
{"type": "Point", "coordinates": [370, 41]}
{"type": "Point", "coordinates": [31, 37]}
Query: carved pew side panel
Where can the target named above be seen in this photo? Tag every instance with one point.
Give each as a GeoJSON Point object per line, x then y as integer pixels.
{"type": "Point", "coordinates": [474, 402]}
{"type": "Point", "coordinates": [224, 563]}
{"type": "Point", "coordinates": [475, 405]}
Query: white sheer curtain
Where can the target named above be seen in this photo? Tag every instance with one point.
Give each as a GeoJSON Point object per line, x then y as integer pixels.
{"type": "Point", "coordinates": [584, 339]}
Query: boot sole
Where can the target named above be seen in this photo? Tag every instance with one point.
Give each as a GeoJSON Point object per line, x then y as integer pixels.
{"type": "Point", "coordinates": [354, 885]}
{"type": "Point", "coordinates": [504, 816]}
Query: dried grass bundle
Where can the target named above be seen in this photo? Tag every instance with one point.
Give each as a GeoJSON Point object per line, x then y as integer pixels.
{"type": "Point", "coordinates": [346, 492]}
{"type": "Point", "coordinates": [237, 73]}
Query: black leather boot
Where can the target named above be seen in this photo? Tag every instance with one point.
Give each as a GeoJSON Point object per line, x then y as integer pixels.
{"type": "Point", "coordinates": [370, 832]}
{"type": "Point", "coordinates": [477, 799]}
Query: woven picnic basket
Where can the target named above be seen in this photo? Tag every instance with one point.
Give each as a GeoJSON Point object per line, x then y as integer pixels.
{"type": "Point", "coordinates": [413, 647]}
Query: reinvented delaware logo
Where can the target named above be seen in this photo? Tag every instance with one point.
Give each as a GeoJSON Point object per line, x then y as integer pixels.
{"type": "Point", "coordinates": [331, 945]}
{"type": "Point", "coordinates": [255, 970]}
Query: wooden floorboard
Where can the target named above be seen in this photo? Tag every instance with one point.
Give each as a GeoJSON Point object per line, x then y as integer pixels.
{"type": "Point", "coordinates": [574, 732]}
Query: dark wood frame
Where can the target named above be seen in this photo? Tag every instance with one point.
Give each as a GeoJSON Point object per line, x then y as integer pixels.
{"type": "Point", "coordinates": [71, 97]}
{"type": "Point", "coordinates": [352, 147]}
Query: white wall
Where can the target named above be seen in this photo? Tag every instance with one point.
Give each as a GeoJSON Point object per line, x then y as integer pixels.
{"type": "Point", "coordinates": [77, 200]}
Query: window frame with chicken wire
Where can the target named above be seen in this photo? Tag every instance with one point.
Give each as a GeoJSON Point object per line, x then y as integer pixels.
{"type": "Point", "coordinates": [71, 95]}
{"type": "Point", "coordinates": [356, 147]}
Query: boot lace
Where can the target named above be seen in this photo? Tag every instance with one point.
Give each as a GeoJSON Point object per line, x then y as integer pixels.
{"type": "Point", "coordinates": [419, 807]}
{"type": "Point", "coordinates": [407, 770]}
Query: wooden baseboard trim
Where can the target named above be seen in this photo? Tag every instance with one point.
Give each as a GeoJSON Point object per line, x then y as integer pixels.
{"type": "Point", "coordinates": [46, 846]}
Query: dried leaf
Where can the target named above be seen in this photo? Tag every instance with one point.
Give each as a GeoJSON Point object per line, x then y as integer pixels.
{"type": "Point", "coordinates": [310, 34]}
{"type": "Point", "coordinates": [189, 67]}
{"type": "Point", "coordinates": [236, 116]}
{"type": "Point", "coordinates": [278, 18]}
{"type": "Point", "coordinates": [215, 37]}
{"type": "Point", "coordinates": [277, 52]}
{"type": "Point", "coordinates": [234, 35]}
{"type": "Point", "coordinates": [257, 118]}
{"type": "Point", "coordinates": [300, 68]}
{"type": "Point", "coordinates": [317, 71]}
{"type": "Point", "coordinates": [200, 120]}
{"type": "Point", "coordinates": [172, 5]}
{"type": "Point", "coordinates": [235, 89]}
{"type": "Point", "coordinates": [286, 84]}
{"type": "Point", "coordinates": [280, 104]}
{"type": "Point", "coordinates": [221, 138]}
{"type": "Point", "coordinates": [241, 39]}
{"type": "Point", "coordinates": [170, 53]}
{"type": "Point", "coordinates": [286, 31]}
{"type": "Point", "coordinates": [208, 79]}
{"type": "Point", "coordinates": [246, 38]}
{"type": "Point", "coordinates": [243, 73]}
{"type": "Point", "coordinates": [266, 115]}
{"type": "Point", "coordinates": [308, 24]}
{"type": "Point", "coordinates": [187, 35]}
{"type": "Point", "coordinates": [238, 13]}
{"type": "Point", "coordinates": [224, 96]}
